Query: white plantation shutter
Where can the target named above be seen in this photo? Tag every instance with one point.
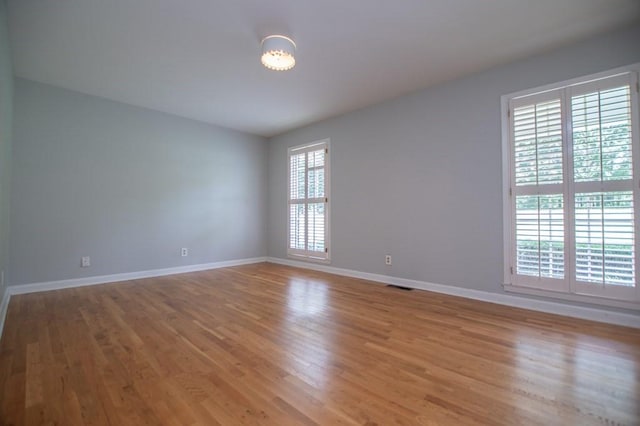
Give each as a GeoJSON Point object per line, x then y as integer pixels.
{"type": "Point", "coordinates": [574, 166]}
{"type": "Point", "coordinates": [538, 190]}
{"type": "Point", "coordinates": [538, 143]}
{"type": "Point", "coordinates": [605, 246]}
{"type": "Point", "coordinates": [601, 129]}
{"type": "Point", "coordinates": [308, 201]}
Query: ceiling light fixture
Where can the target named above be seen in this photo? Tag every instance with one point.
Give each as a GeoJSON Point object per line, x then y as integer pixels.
{"type": "Point", "coordinates": [277, 53]}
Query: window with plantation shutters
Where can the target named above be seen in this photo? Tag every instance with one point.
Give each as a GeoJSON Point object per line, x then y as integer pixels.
{"type": "Point", "coordinates": [573, 189]}
{"type": "Point", "coordinates": [309, 201]}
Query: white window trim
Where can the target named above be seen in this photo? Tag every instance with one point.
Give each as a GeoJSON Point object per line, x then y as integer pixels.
{"type": "Point", "coordinates": [507, 212]}
{"type": "Point", "coordinates": [293, 253]}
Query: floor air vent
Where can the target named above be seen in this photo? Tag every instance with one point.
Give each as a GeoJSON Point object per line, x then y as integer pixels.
{"type": "Point", "coordinates": [399, 287]}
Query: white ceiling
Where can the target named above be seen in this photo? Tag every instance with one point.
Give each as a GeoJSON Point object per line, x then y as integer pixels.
{"type": "Point", "coordinates": [200, 58]}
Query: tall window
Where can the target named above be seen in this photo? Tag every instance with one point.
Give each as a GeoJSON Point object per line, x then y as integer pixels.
{"type": "Point", "coordinates": [309, 201]}
{"type": "Point", "coordinates": [574, 169]}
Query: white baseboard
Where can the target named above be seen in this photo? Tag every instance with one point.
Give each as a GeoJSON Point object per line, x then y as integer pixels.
{"type": "Point", "coordinates": [103, 279]}
{"type": "Point", "coordinates": [592, 314]}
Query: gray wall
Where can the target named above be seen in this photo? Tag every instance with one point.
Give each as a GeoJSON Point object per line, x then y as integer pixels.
{"type": "Point", "coordinates": [420, 177]}
{"type": "Point", "coordinates": [6, 117]}
{"type": "Point", "coordinates": [128, 187]}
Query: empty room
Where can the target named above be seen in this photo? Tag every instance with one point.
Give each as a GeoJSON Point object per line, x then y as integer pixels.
{"type": "Point", "coordinates": [421, 212]}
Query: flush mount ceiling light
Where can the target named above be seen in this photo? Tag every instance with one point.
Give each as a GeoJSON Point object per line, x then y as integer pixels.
{"type": "Point", "coordinates": [277, 53]}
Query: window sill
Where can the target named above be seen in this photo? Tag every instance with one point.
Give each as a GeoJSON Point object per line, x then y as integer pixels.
{"type": "Point", "coordinates": [572, 297]}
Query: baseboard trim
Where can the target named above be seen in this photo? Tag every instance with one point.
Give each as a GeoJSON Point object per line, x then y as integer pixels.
{"type": "Point", "coordinates": [4, 306]}
{"type": "Point", "coordinates": [104, 279]}
{"type": "Point", "coordinates": [592, 314]}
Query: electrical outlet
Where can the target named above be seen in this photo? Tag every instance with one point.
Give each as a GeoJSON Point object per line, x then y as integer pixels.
{"type": "Point", "coordinates": [85, 262]}
{"type": "Point", "coordinates": [387, 259]}
{"type": "Point", "coordinates": [184, 252]}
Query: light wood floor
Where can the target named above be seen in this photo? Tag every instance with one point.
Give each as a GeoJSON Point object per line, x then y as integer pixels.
{"type": "Point", "coordinates": [267, 344]}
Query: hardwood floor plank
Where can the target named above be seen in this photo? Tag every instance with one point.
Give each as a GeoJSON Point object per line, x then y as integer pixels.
{"type": "Point", "coordinates": [266, 344]}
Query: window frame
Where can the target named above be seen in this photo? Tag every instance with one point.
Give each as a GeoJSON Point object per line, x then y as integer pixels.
{"type": "Point", "coordinates": [570, 288]}
{"type": "Point", "coordinates": [305, 254]}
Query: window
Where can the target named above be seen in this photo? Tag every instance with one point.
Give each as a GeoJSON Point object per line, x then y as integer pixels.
{"type": "Point", "coordinates": [309, 201]}
{"type": "Point", "coordinates": [572, 197]}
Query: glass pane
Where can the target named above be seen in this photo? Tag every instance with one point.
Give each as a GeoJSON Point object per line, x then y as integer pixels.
{"type": "Point", "coordinates": [605, 241]}
{"type": "Point", "coordinates": [540, 235]}
{"type": "Point", "coordinates": [296, 176]}
{"type": "Point", "coordinates": [538, 143]}
{"type": "Point", "coordinates": [316, 158]}
{"type": "Point", "coordinates": [297, 226]}
{"type": "Point", "coordinates": [316, 227]}
{"type": "Point", "coordinates": [602, 135]}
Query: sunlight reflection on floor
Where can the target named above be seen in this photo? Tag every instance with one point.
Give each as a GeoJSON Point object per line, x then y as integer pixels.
{"type": "Point", "coordinates": [311, 354]}
{"type": "Point", "coordinates": [552, 371]}
{"type": "Point", "coordinates": [306, 297]}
